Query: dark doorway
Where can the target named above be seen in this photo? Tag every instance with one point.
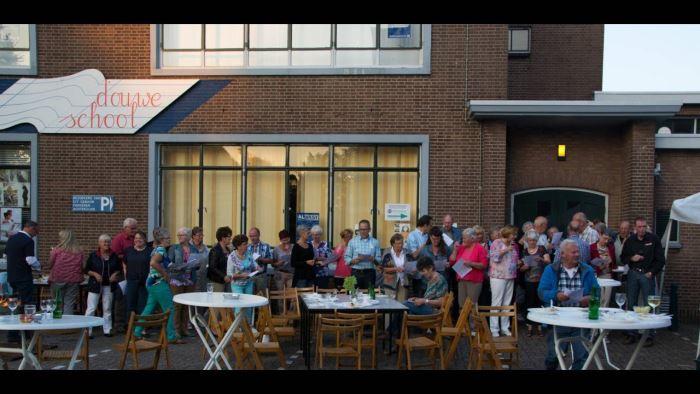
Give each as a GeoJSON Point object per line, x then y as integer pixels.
{"type": "Point", "coordinates": [557, 205]}
{"type": "Point", "coordinates": [292, 206]}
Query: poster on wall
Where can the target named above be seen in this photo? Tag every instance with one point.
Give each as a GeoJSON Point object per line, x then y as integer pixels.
{"type": "Point", "coordinates": [11, 194]}
{"type": "Point", "coordinates": [397, 212]}
{"type": "Point", "coordinates": [308, 219]}
{"type": "Point", "coordinates": [402, 228]}
{"type": "Point", "coordinates": [11, 222]}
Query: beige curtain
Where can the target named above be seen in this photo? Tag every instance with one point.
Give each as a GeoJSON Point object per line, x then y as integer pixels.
{"type": "Point", "coordinates": [312, 194]}
{"type": "Point", "coordinates": [395, 188]}
{"type": "Point", "coordinates": [265, 201]}
{"type": "Point", "coordinates": [222, 202]}
{"type": "Point", "coordinates": [352, 199]}
{"type": "Point", "coordinates": [180, 199]}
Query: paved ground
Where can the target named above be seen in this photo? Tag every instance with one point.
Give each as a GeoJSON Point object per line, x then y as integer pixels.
{"type": "Point", "coordinates": [671, 351]}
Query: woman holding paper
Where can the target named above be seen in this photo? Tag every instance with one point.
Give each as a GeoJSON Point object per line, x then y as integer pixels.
{"type": "Point", "coordinates": [241, 268]}
{"type": "Point", "coordinates": [393, 265]}
{"type": "Point", "coordinates": [184, 259]}
{"type": "Point", "coordinates": [437, 250]}
{"type": "Point", "coordinates": [503, 267]}
{"type": "Point", "coordinates": [603, 259]}
{"type": "Point", "coordinates": [469, 260]}
{"type": "Point", "coordinates": [533, 261]}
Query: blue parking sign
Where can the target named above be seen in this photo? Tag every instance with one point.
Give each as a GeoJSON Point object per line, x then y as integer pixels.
{"type": "Point", "coordinates": [90, 203]}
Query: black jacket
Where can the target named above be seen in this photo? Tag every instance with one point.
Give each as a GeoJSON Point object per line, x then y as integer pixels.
{"type": "Point", "coordinates": [137, 264]}
{"type": "Point", "coordinates": [217, 264]}
{"type": "Point", "coordinates": [18, 248]}
{"type": "Point", "coordinates": [649, 247]}
{"type": "Point", "coordinates": [298, 259]}
{"type": "Point", "coordinates": [96, 264]}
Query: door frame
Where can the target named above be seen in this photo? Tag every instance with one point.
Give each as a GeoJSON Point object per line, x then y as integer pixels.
{"type": "Point", "coordinates": [577, 189]}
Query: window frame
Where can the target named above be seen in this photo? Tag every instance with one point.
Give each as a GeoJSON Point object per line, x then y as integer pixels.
{"type": "Point", "coordinates": [32, 69]}
{"type": "Point", "coordinates": [515, 53]}
{"type": "Point", "coordinates": [424, 46]}
{"type": "Point", "coordinates": [673, 243]}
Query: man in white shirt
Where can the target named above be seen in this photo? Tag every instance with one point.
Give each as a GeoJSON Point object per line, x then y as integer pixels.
{"type": "Point", "coordinates": [586, 232]}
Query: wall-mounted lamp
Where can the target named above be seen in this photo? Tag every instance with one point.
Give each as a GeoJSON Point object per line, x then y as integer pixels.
{"type": "Point", "coordinates": [561, 152]}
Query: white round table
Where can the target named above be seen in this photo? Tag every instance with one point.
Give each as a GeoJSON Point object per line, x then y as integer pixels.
{"type": "Point", "coordinates": [609, 282]}
{"type": "Point", "coordinates": [217, 300]}
{"type": "Point", "coordinates": [578, 318]}
{"type": "Point", "coordinates": [67, 322]}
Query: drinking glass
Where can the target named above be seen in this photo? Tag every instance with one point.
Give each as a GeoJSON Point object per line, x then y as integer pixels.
{"type": "Point", "coordinates": [334, 295]}
{"type": "Point", "coordinates": [210, 288]}
{"type": "Point", "coordinates": [30, 310]}
{"type": "Point", "coordinates": [620, 299]}
{"type": "Point", "coordinates": [654, 301]}
{"type": "Point", "coordinates": [12, 303]}
{"type": "Point", "coordinates": [43, 304]}
{"type": "Point", "coordinates": [50, 306]}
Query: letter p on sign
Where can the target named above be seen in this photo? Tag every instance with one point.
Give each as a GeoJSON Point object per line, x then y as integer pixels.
{"type": "Point", "coordinates": [106, 204]}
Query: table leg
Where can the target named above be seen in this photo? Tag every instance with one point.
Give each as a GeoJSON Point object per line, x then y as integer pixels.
{"type": "Point", "coordinates": [645, 334]}
{"type": "Point", "coordinates": [218, 352]}
{"type": "Point", "coordinates": [592, 353]}
{"type": "Point", "coordinates": [197, 320]}
{"type": "Point", "coordinates": [557, 350]}
{"type": "Point", "coordinates": [27, 351]}
{"type": "Point", "coordinates": [307, 336]}
{"type": "Point", "coordinates": [391, 332]}
{"type": "Point", "coordinates": [605, 349]}
{"type": "Point", "coordinates": [76, 351]}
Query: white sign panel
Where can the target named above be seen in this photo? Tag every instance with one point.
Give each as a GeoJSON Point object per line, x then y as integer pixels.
{"type": "Point", "coordinates": [400, 212]}
{"type": "Point", "coordinates": [88, 103]}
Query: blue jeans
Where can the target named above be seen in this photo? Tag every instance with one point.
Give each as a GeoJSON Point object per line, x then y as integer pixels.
{"type": "Point", "coordinates": [636, 282]}
{"type": "Point", "coordinates": [136, 297]}
{"type": "Point", "coordinates": [244, 289]}
{"type": "Point", "coordinates": [413, 309]}
{"type": "Point", "coordinates": [580, 353]}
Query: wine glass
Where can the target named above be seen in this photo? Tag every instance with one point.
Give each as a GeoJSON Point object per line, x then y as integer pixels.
{"type": "Point", "coordinates": [12, 303]}
{"type": "Point", "coordinates": [50, 306]}
{"type": "Point", "coordinates": [44, 306]}
{"type": "Point", "coordinates": [620, 299]}
{"type": "Point", "coordinates": [654, 301]}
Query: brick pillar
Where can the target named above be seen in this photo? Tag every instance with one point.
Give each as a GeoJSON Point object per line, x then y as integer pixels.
{"type": "Point", "coordinates": [638, 183]}
{"type": "Point", "coordinates": [493, 193]}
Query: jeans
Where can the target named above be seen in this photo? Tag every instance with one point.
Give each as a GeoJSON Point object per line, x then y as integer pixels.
{"type": "Point", "coordinates": [69, 292]}
{"type": "Point", "coordinates": [413, 309]}
{"type": "Point", "coordinates": [24, 290]}
{"type": "Point", "coordinates": [136, 296]}
{"type": "Point", "coordinates": [244, 289]}
{"type": "Point", "coordinates": [636, 282]}
{"type": "Point", "coordinates": [160, 294]}
{"type": "Point", "coordinates": [365, 277]}
{"type": "Point", "coordinates": [580, 353]}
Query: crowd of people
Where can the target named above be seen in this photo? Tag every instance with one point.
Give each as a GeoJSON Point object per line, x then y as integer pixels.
{"type": "Point", "coordinates": [530, 266]}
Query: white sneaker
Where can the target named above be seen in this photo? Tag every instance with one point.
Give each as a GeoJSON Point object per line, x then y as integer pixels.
{"type": "Point", "coordinates": [507, 333]}
{"type": "Point", "coordinates": [495, 334]}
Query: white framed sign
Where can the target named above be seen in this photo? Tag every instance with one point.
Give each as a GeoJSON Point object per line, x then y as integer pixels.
{"type": "Point", "coordinates": [397, 212]}
{"type": "Point", "coordinates": [88, 103]}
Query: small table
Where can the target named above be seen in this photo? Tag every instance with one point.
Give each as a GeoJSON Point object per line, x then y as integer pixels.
{"type": "Point", "coordinates": [578, 318]}
{"type": "Point", "coordinates": [217, 300]}
{"type": "Point", "coordinates": [311, 304]}
{"type": "Point", "coordinates": [67, 322]}
{"type": "Point", "coordinates": [608, 282]}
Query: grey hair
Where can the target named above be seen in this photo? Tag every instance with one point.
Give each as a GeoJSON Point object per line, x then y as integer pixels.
{"type": "Point", "coordinates": [469, 232]}
{"type": "Point", "coordinates": [528, 223]}
{"type": "Point", "coordinates": [532, 234]}
{"type": "Point", "coordinates": [128, 222]}
{"type": "Point", "coordinates": [601, 228]}
{"type": "Point", "coordinates": [186, 230]}
{"type": "Point", "coordinates": [104, 237]}
{"type": "Point", "coordinates": [302, 228]}
{"type": "Point", "coordinates": [316, 229]}
{"type": "Point", "coordinates": [565, 243]}
{"type": "Point", "coordinates": [159, 234]}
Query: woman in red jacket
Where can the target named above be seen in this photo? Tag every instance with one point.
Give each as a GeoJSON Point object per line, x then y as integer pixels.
{"type": "Point", "coordinates": [603, 259]}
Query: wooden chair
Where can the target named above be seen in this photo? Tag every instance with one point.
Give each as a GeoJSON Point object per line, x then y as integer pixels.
{"type": "Point", "coordinates": [137, 346]}
{"type": "Point", "coordinates": [55, 354]}
{"type": "Point", "coordinates": [340, 329]}
{"type": "Point", "coordinates": [446, 310]}
{"type": "Point", "coordinates": [220, 320]}
{"type": "Point", "coordinates": [370, 322]}
{"type": "Point", "coordinates": [484, 348]}
{"type": "Point", "coordinates": [283, 321]}
{"type": "Point", "coordinates": [461, 330]}
{"type": "Point", "coordinates": [265, 328]}
{"type": "Point", "coordinates": [432, 345]}
{"type": "Point", "coordinates": [320, 290]}
{"type": "Point", "coordinates": [507, 344]}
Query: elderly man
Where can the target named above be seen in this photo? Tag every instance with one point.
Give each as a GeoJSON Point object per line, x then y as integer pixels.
{"type": "Point", "coordinates": [419, 237]}
{"type": "Point", "coordinates": [120, 242]}
{"type": "Point", "coordinates": [644, 256]}
{"type": "Point", "coordinates": [574, 234]}
{"type": "Point", "coordinates": [558, 282]}
{"type": "Point", "coordinates": [450, 230]}
{"type": "Point", "coordinates": [586, 232]}
{"type": "Point", "coordinates": [620, 237]}
{"type": "Point", "coordinates": [362, 253]}
{"type": "Point", "coordinates": [263, 252]}
{"type": "Point", "coordinates": [540, 226]}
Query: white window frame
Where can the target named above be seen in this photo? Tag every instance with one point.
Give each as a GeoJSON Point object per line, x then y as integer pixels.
{"type": "Point", "coordinates": [424, 68]}
{"type": "Point", "coordinates": [32, 69]}
{"type": "Point", "coordinates": [510, 41]}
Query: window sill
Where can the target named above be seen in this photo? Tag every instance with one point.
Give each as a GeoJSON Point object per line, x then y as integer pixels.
{"type": "Point", "coordinates": [675, 245]}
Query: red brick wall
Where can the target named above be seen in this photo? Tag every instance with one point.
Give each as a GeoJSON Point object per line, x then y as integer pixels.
{"type": "Point", "coordinates": [678, 180]}
{"type": "Point", "coordinates": [102, 165]}
{"type": "Point", "coordinates": [594, 161]}
{"type": "Point", "coordinates": [565, 63]}
{"type": "Point", "coordinates": [638, 182]}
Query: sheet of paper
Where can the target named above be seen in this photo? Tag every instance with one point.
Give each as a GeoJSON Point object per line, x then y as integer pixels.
{"type": "Point", "coordinates": [556, 238]}
{"type": "Point", "coordinates": [256, 256]}
{"type": "Point", "coordinates": [461, 268]}
{"type": "Point", "coordinates": [574, 297]}
{"type": "Point", "coordinates": [447, 240]}
{"type": "Point", "coordinates": [598, 262]}
{"type": "Point", "coordinates": [529, 261]}
{"type": "Point", "coordinates": [252, 274]}
{"type": "Point", "coordinates": [410, 267]}
{"type": "Point", "coordinates": [440, 265]}
{"type": "Point", "coordinates": [122, 285]}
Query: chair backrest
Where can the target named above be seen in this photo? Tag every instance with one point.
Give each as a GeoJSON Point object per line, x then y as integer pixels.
{"type": "Point", "coordinates": [446, 309]}
{"type": "Point", "coordinates": [220, 319]}
{"type": "Point", "coordinates": [485, 339]}
{"type": "Point", "coordinates": [368, 319]}
{"type": "Point", "coordinates": [463, 319]}
{"type": "Point", "coordinates": [322, 290]}
{"type": "Point", "coordinates": [510, 311]}
{"type": "Point", "coordinates": [149, 321]}
{"type": "Point", "coordinates": [433, 322]}
{"type": "Point", "coordinates": [332, 324]}
{"type": "Point", "coordinates": [265, 322]}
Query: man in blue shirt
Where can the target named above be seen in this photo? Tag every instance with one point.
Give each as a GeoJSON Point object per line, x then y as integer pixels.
{"type": "Point", "coordinates": [362, 253]}
{"type": "Point", "coordinates": [418, 237]}
{"type": "Point", "coordinates": [450, 229]}
{"type": "Point", "coordinates": [583, 247]}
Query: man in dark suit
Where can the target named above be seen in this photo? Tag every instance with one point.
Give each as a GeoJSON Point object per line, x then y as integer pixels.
{"type": "Point", "coordinates": [20, 262]}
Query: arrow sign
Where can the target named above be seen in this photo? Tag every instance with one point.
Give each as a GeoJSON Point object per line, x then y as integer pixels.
{"type": "Point", "coordinates": [393, 212]}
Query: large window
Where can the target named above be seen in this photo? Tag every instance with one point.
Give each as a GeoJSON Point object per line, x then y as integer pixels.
{"type": "Point", "coordinates": [15, 187]}
{"type": "Point", "coordinates": [679, 125]}
{"type": "Point", "coordinates": [17, 49]}
{"type": "Point", "coordinates": [290, 48]}
{"type": "Point", "coordinates": [268, 186]}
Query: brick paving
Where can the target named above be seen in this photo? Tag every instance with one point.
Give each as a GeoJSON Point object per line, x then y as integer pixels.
{"type": "Point", "coordinates": [671, 351]}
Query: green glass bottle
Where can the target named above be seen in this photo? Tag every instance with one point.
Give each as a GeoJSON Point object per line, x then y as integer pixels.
{"type": "Point", "coordinates": [370, 290]}
{"type": "Point", "coordinates": [594, 303]}
{"type": "Point", "coordinates": [58, 311]}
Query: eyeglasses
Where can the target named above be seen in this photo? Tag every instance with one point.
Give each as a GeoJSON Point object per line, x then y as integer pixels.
{"type": "Point", "coordinates": [364, 229]}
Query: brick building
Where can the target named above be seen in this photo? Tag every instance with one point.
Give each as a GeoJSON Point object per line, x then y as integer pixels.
{"type": "Point", "coordinates": [339, 121]}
